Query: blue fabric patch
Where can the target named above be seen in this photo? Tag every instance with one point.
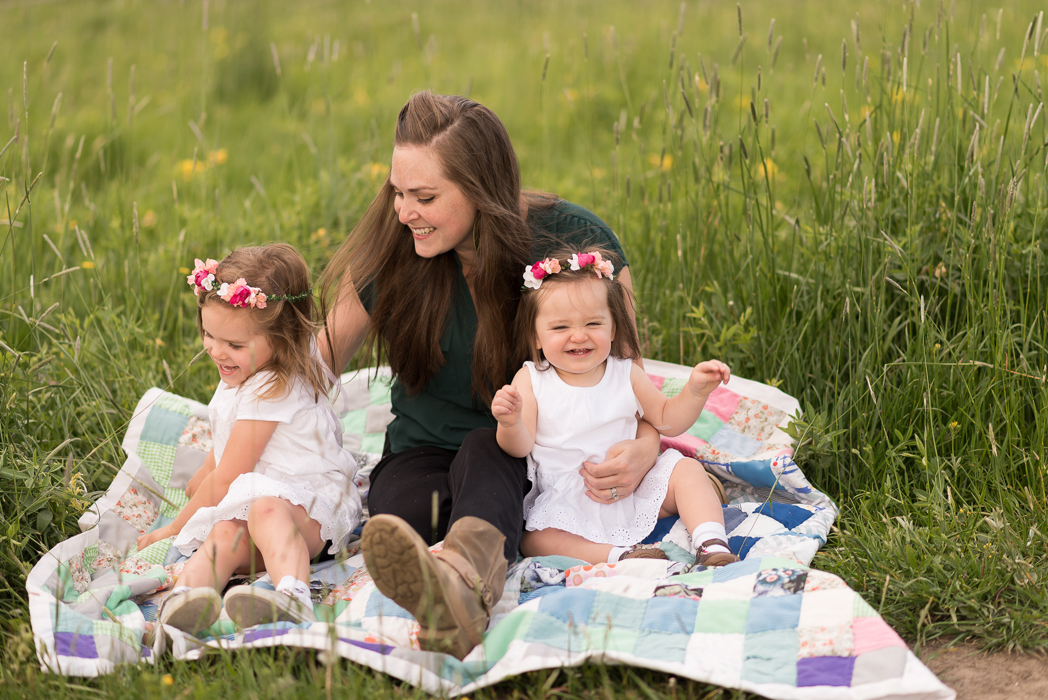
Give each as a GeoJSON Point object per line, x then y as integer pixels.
{"type": "Point", "coordinates": [670, 615]}
{"type": "Point", "coordinates": [773, 613]}
{"type": "Point", "coordinates": [789, 515]}
{"type": "Point", "coordinates": [569, 605]}
{"type": "Point", "coordinates": [732, 518]}
{"type": "Point", "coordinates": [739, 568]}
{"type": "Point", "coordinates": [618, 612]}
{"type": "Point", "coordinates": [757, 472]}
{"type": "Point", "coordinates": [163, 426]}
{"type": "Point", "coordinates": [734, 443]}
{"type": "Point", "coordinates": [662, 528]}
{"type": "Point", "coordinates": [381, 606]}
{"type": "Point", "coordinates": [741, 545]}
{"type": "Point", "coordinates": [538, 593]}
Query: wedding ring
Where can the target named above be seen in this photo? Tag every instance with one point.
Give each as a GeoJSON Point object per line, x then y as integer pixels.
{"type": "Point", "coordinates": [614, 494]}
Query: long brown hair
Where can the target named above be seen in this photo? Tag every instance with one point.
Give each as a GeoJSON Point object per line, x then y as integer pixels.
{"type": "Point", "coordinates": [626, 345]}
{"type": "Point", "coordinates": [289, 326]}
{"type": "Point", "coordinates": [412, 295]}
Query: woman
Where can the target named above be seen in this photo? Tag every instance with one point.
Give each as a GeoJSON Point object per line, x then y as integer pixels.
{"type": "Point", "coordinates": [431, 277]}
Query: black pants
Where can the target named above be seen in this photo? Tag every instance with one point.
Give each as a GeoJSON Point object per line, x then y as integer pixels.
{"type": "Point", "coordinates": [479, 480]}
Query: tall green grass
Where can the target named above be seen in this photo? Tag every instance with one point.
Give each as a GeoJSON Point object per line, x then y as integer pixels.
{"type": "Point", "coordinates": [806, 199]}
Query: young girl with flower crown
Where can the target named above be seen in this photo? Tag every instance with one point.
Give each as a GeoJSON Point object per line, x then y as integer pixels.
{"type": "Point", "coordinates": [581, 394]}
{"type": "Point", "coordinates": [278, 485]}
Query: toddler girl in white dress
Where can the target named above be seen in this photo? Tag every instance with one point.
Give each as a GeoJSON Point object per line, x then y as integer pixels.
{"type": "Point", "coordinates": [278, 485]}
{"type": "Point", "coordinates": [582, 394]}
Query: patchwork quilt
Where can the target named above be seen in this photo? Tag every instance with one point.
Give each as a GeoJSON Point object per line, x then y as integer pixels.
{"type": "Point", "coordinates": [768, 624]}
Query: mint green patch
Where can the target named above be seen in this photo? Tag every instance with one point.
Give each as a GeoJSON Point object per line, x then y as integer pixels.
{"type": "Point", "coordinates": [379, 390]}
{"type": "Point", "coordinates": [66, 591]}
{"type": "Point", "coordinates": [337, 608]}
{"type": "Point", "coordinates": [722, 616]}
{"type": "Point", "coordinates": [90, 554]}
{"type": "Point", "coordinates": [513, 626]}
{"type": "Point", "coordinates": [354, 421]}
{"type": "Point", "coordinates": [325, 613]}
{"type": "Point", "coordinates": [219, 629]}
{"type": "Point", "coordinates": [176, 501]}
{"type": "Point", "coordinates": [671, 386]}
{"type": "Point", "coordinates": [780, 563]}
{"type": "Point", "coordinates": [862, 608]}
{"type": "Point", "coordinates": [706, 426]}
{"type": "Point", "coordinates": [373, 442]}
{"type": "Point", "coordinates": [159, 460]}
{"type": "Point", "coordinates": [128, 635]}
{"type": "Point", "coordinates": [163, 426]}
{"type": "Point", "coordinates": [119, 594]}
{"type": "Point", "coordinates": [174, 403]}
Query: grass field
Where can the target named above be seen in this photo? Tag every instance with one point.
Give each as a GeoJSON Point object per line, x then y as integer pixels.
{"type": "Point", "coordinates": [846, 200]}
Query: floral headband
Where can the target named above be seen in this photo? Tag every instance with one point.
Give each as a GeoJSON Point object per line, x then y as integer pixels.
{"type": "Point", "coordinates": [534, 274]}
{"type": "Point", "coordinates": [238, 294]}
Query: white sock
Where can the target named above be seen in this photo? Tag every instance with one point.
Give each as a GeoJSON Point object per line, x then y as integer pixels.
{"type": "Point", "coordinates": [179, 589]}
{"type": "Point", "coordinates": [616, 552]}
{"type": "Point", "coordinates": [709, 530]}
{"type": "Point", "coordinates": [299, 590]}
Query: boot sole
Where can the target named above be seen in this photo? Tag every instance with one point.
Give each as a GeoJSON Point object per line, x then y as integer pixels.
{"type": "Point", "coordinates": [194, 612]}
{"type": "Point", "coordinates": [248, 606]}
{"type": "Point", "coordinates": [399, 563]}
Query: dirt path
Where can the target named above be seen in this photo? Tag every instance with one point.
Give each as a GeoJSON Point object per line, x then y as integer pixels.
{"type": "Point", "coordinates": [977, 675]}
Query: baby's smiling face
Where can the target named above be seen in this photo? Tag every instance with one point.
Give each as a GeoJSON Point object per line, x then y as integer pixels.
{"type": "Point", "coordinates": [574, 329]}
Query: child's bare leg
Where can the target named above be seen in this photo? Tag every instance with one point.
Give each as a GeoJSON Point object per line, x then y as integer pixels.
{"type": "Point", "coordinates": [226, 550]}
{"type": "Point", "coordinates": [286, 537]}
{"type": "Point", "coordinates": [691, 495]}
{"type": "Point", "coordinates": [537, 543]}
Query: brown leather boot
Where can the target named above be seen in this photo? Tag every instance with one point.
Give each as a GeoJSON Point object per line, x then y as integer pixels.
{"type": "Point", "coordinates": [450, 593]}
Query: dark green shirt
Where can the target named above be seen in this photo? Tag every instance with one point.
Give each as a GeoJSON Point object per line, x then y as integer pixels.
{"type": "Point", "coordinates": [444, 411]}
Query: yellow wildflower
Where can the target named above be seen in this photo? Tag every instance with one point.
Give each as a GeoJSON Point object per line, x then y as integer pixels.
{"type": "Point", "coordinates": [667, 162]}
{"type": "Point", "coordinates": [183, 270]}
{"type": "Point", "coordinates": [167, 679]}
{"type": "Point", "coordinates": [88, 265]}
{"type": "Point", "coordinates": [218, 157]}
{"type": "Point", "coordinates": [768, 168]}
{"type": "Point", "coordinates": [149, 220]}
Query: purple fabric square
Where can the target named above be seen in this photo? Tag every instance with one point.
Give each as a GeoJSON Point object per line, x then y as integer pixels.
{"type": "Point", "coordinates": [825, 670]}
{"type": "Point", "coordinates": [380, 648]}
{"type": "Point", "coordinates": [75, 644]}
{"type": "Point", "coordinates": [263, 632]}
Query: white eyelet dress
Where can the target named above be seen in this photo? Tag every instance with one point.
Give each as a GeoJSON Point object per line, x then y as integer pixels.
{"type": "Point", "coordinates": [304, 462]}
{"type": "Point", "coordinates": [580, 424]}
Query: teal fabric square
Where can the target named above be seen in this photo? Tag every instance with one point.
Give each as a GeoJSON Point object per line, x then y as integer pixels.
{"type": "Point", "coordinates": [661, 646]}
{"type": "Point", "coordinates": [774, 613]}
{"type": "Point", "coordinates": [163, 426]}
{"type": "Point", "coordinates": [379, 391]}
{"type": "Point", "coordinates": [670, 615]}
{"type": "Point", "coordinates": [173, 402]}
{"type": "Point", "coordinates": [614, 639]}
{"type": "Point", "coordinates": [706, 426]}
{"type": "Point", "coordinates": [771, 657]}
{"type": "Point", "coordinates": [553, 631]}
{"type": "Point", "coordinates": [617, 612]}
{"type": "Point", "coordinates": [66, 620]}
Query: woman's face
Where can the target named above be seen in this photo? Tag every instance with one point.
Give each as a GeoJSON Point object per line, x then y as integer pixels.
{"type": "Point", "coordinates": [434, 208]}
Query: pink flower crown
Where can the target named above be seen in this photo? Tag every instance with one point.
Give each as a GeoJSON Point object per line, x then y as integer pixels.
{"type": "Point", "coordinates": [238, 294]}
{"type": "Point", "coordinates": [534, 274]}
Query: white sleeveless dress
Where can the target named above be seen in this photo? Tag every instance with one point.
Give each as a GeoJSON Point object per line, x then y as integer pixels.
{"type": "Point", "coordinates": [580, 424]}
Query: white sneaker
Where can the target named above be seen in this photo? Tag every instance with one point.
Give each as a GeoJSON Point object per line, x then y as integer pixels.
{"type": "Point", "coordinates": [248, 606]}
{"type": "Point", "coordinates": [191, 611]}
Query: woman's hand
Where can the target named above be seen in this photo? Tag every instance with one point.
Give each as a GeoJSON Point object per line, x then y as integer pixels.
{"type": "Point", "coordinates": [161, 533]}
{"type": "Point", "coordinates": [624, 468]}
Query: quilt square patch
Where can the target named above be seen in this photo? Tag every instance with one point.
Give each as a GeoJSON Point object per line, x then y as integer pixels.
{"type": "Point", "coordinates": [771, 657]}
{"type": "Point", "coordinates": [879, 665]}
{"type": "Point", "coordinates": [827, 608]}
{"type": "Point", "coordinates": [617, 612]}
{"type": "Point", "coordinates": [570, 605]}
{"type": "Point", "coordinates": [779, 582]}
{"type": "Point", "coordinates": [670, 615]}
{"type": "Point", "coordinates": [665, 647]}
{"type": "Point", "coordinates": [164, 426]}
{"type": "Point", "coordinates": [721, 616]}
{"type": "Point", "coordinates": [774, 613]}
{"type": "Point", "coordinates": [872, 633]}
{"type": "Point", "coordinates": [825, 640]}
{"type": "Point", "coordinates": [825, 670]}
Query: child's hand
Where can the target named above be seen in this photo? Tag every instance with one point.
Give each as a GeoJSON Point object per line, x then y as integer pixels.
{"type": "Point", "coordinates": [507, 406]}
{"type": "Point", "coordinates": [155, 536]}
{"type": "Point", "coordinates": [707, 376]}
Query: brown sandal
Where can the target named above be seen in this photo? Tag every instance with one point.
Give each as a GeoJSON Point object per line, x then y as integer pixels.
{"type": "Point", "coordinates": [708, 559]}
{"type": "Point", "coordinates": [642, 552]}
